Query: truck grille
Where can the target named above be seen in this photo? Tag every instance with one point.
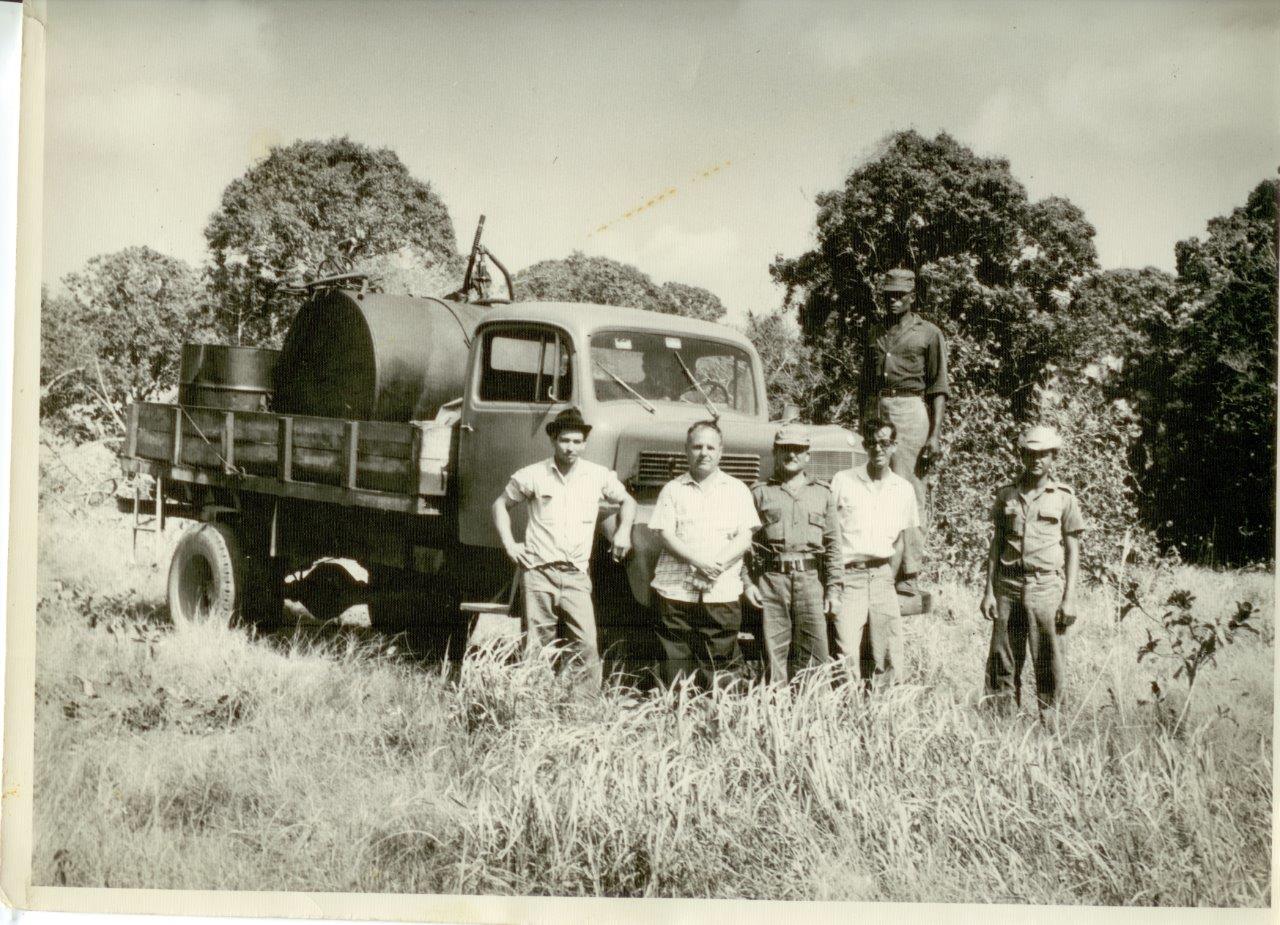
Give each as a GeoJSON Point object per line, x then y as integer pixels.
{"type": "Point", "coordinates": [657, 468]}
{"type": "Point", "coordinates": [823, 464]}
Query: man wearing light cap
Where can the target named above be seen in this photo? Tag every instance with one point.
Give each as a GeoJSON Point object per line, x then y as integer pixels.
{"type": "Point", "coordinates": [1031, 574]}
{"type": "Point", "coordinates": [795, 559]}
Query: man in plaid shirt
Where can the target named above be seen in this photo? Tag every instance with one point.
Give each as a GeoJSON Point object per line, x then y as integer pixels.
{"type": "Point", "coordinates": [705, 520]}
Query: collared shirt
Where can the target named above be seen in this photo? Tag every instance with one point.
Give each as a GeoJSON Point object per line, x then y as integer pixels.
{"type": "Point", "coordinates": [911, 356]}
{"type": "Point", "coordinates": [799, 519]}
{"type": "Point", "coordinates": [1031, 526]}
{"type": "Point", "coordinates": [872, 512]}
{"type": "Point", "coordinates": [705, 515]}
{"type": "Point", "coordinates": [563, 509]}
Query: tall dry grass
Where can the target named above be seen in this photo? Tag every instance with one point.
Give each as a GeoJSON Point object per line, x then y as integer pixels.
{"type": "Point", "coordinates": [328, 761]}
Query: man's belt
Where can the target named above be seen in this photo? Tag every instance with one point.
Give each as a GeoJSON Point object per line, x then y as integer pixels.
{"type": "Point", "coordinates": [1025, 571]}
{"type": "Point", "coordinates": [559, 566]}
{"type": "Point", "coordinates": [867, 563]}
{"type": "Point", "coordinates": [902, 393]}
{"type": "Point", "coordinates": [786, 564]}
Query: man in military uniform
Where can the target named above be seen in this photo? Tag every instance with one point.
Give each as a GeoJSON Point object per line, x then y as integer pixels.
{"type": "Point", "coordinates": [904, 380]}
{"type": "Point", "coordinates": [1031, 574]}
{"type": "Point", "coordinates": [796, 562]}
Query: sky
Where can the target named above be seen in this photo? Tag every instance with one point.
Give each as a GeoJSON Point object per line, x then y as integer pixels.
{"type": "Point", "coordinates": [559, 120]}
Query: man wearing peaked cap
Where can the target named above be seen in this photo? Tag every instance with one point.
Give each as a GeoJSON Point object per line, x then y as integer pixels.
{"type": "Point", "coordinates": [904, 380]}
{"type": "Point", "coordinates": [1031, 574]}
{"type": "Point", "coordinates": [563, 495]}
{"type": "Point", "coordinates": [795, 559]}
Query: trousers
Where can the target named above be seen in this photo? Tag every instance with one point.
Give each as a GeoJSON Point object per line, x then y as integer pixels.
{"type": "Point", "coordinates": [869, 627]}
{"type": "Point", "coordinates": [552, 599]}
{"type": "Point", "coordinates": [1025, 617]}
{"type": "Point", "coordinates": [795, 627]}
{"type": "Point", "coordinates": [698, 639]}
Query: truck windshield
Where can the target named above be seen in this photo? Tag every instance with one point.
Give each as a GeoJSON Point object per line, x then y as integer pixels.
{"type": "Point", "coordinates": [649, 363]}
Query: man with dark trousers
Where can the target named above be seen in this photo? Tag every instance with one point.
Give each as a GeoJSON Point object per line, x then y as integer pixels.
{"type": "Point", "coordinates": [904, 380]}
{"type": "Point", "coordinates": [704, 520]}
{"type": "Point", "coordinates": [795, 560]}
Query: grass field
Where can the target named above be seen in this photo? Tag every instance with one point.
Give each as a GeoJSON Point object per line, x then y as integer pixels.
{"type": "Point", "coordinates": [322, 759]}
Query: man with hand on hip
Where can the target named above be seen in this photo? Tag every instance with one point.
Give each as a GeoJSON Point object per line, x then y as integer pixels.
{"type": "Point", "coordinates": [876, 508]}
{"type": "Point", "coordinates": [795, 559]}
{"type": "Point", "coordinates": [704, 520]}
{"type": "Point", "coordinates": [563, 495]}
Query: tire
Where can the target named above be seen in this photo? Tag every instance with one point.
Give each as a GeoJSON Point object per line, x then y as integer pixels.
{"type": "Point", "coordinates": [206, 576]}
{"type": "Point", "coordinates": [212, 581]}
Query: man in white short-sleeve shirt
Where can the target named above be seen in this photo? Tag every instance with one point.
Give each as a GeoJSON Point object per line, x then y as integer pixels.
{"type": "Point", "coordinates": [705, 520]}
{"type": "Point", "coordinates": [875, 507]}
{"type": "Point", "coordinates": [563, 495]}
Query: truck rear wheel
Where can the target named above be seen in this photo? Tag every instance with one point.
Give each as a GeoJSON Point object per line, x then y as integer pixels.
{"type": "Point", "coordinates": [212, 581]}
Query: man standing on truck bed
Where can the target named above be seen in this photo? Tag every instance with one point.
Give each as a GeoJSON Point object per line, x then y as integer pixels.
{"type": "Point", "coordinates": [904, 380]}
{"type": "Point", "coordinates": [563, 495]}
{"type": "Point", "coordinates": [705, 520]}
{"type": "Point", "coordinates": [795, 560]}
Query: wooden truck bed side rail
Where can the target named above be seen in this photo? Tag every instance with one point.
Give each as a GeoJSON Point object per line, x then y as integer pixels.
{"type": "Point", "coordinates": [362, 463]}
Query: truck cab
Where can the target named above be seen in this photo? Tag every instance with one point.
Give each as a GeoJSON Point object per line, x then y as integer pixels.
{"type": "Point", "coordinates": [640, 379]}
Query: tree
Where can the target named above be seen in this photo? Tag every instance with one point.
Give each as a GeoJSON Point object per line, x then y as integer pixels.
{"type": "Point", "coordinates": [310, 209]}
{"type": "Point", "coordinates": [1209, 408]}
{"type": "Point", "coordinates": [599, 280]}
{"type": "Point", "coordinates": [994, 267]}
{"type": "Point", "coordinates": [115, 336]}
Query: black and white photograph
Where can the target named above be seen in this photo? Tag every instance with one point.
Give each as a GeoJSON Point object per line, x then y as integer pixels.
{"type": "Point", "coordinates": [517, 461]}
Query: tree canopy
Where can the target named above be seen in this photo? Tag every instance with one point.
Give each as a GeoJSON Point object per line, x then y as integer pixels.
{"type": "Point", "coordinates": [579, 278]}
{"type": "Point", "coordinates": [1208, 390]}
{"type": "Point", "coordinates": [310, 209]}
{"type": "Point", "coordinates": [992, 265]}
{"type": "Point", "coordinates": [115, 336]}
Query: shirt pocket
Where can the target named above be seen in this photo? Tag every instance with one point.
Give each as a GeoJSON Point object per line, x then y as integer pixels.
{"type": "Point", "coordinates": [1014, 519]}
{"type": "Point", "coordinates": [817, 526]}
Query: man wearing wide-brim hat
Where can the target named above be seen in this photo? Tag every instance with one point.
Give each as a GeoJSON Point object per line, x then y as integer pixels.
{"type": "Point", "coordinates": [563, 495]}
{"type": "Point", "coordinates": [904, 380]}
{"type": "Point", "coordinates": [1031, 573]}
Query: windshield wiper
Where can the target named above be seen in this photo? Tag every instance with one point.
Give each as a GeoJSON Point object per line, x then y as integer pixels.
{"type": "Point", "coordinates": [634, 394]}
{"type": "Point", "coordinates": [706, 399]}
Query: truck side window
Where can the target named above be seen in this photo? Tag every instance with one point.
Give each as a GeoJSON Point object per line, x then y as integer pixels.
{"type": "Point", "coordinates": [526, 365]}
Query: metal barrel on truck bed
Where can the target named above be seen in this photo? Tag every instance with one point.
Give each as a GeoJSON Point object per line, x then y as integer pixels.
{"type": "Point", "coordinates": [374, 357]}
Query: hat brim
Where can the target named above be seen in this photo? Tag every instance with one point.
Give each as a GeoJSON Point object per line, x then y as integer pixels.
{"type": "Point", "coordinates": [554, 430]}
{"type": "Point", "coordinates": [897, 287]}
{"type": "Point", "coordinates": [791, 444]}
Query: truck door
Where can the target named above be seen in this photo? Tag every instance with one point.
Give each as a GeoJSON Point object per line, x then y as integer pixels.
{"type": "Point", "coordinates": [522, 375]}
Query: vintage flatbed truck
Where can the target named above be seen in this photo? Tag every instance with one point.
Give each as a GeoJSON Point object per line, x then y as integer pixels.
{"type": "Point", "coordinates": [386, 426]}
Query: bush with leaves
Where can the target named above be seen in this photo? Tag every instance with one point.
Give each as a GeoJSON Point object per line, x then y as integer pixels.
{"type": "Point", "coordinates": [115, 336]}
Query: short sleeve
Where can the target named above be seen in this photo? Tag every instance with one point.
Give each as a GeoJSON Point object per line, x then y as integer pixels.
{"type": "Point", "coordinates": [663, 516]}
{"type": "Point", "coordinates": [1072, 520]}
{"type": "Point", "coordinates": [749, 516]}
{"type": "Point", "coordinates": [613, 490]}
{"type": "Point", "coordinates": [936, 380]}
{"type": "Point", "coordinates": [519, 486]}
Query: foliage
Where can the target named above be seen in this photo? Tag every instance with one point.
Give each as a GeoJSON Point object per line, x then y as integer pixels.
{"type": "Point", "coordinates": [990, 262]}
{"type": "Point", "coordinates": [115, 336]}
{"type": "Point", "coordinates": [599, 280]}
{"type": "Point", "coordinates": [307, 210]}
{"type": "Point", "coordinates": [1208, 394]}
{"type": "Point", "coordinates": [790, 371]}
{"type": "Point", "coordinates": [414, 272]}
